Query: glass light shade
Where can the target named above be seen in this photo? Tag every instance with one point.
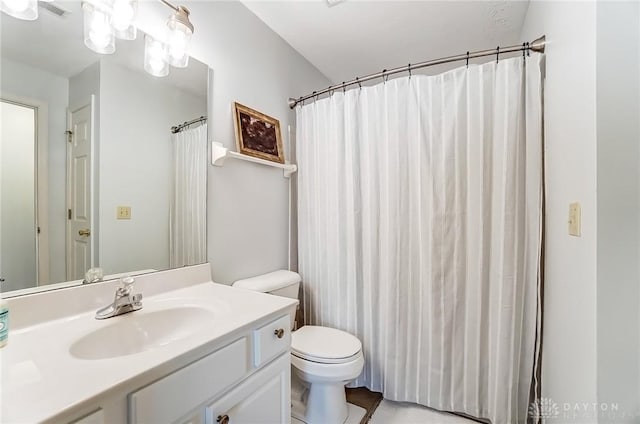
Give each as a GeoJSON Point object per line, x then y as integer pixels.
{"type": "Point", "coordinates": [155, 57]}
{"type": "Point", "coordinates": [21, 9]}
{"type": "Point", "coordinates": [123, 15]}
{"type": "Point", "coordinates": [98, 32]}
{"type": "Point", "coordinates": [180, 31]}
{"type": "Point", "coordinates": [128, 34]}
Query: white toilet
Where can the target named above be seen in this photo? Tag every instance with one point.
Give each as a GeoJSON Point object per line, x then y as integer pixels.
{"type": "Point", "coordinates": [324, 359]}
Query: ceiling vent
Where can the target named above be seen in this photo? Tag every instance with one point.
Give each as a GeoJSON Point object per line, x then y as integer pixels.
{"type": "Point", "coordinates": [53, 8]}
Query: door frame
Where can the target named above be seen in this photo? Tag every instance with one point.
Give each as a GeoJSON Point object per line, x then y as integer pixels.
{"type": "Point", "coordinates": [91, 102]}
{"type": "Point", "coordinates": [41, 198]}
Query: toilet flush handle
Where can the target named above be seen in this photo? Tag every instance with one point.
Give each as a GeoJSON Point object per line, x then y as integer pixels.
{"type": "Point", "coordinates": [279, 332]}
{"type": "Point", "coordinates": [223, 419]}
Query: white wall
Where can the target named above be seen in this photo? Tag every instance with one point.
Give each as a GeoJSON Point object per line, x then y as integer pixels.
{"type": "Point", "coordinates": [83, 85]}
{"type": "Point", "coordinates": [26, 81]}
{"type": "Point", "coordinates": [247, 203]}
{"type": "Point", "coordinates": [17, 197]}
{"type": "Point", "coordinates": [135, 164]}
{"type": "Point", "coordinates": [618, 129]}
{"type": "Point", "coordinates": [569, 342]}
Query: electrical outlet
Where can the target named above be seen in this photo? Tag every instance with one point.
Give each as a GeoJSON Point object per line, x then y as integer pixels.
{"type": "Point", "coordinates": [124, 212]}
{"type": "Point", "coordinates": [574, 219]}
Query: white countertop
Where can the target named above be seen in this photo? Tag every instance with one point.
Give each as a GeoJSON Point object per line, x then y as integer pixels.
{"type": "Point", "coordinates": [39, 378]}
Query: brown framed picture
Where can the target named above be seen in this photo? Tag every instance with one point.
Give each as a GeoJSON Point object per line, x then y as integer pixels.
{"type": "Point", "coordinates": [257, 134]}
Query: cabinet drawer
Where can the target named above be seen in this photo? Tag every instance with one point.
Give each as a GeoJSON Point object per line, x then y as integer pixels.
{"type": "Point", "coordinates": [264, 398]}
{"type": "Point", "coordinates": [170, 398]}
{"type": "Point", "coordinates": [266, 343]}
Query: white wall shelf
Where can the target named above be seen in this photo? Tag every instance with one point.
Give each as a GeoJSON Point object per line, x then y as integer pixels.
{"type": "Point", "coordinates": [219, 154]}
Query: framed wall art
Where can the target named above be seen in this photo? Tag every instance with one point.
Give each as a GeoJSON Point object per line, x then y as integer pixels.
{"type": "Point", "coordinates": [257, 134]}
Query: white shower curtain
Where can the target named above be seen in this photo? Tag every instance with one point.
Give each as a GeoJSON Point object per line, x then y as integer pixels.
{"type": "Point", "coordinates": [188, 216]}
{"type": "Point", "coordinates": [420, 223]}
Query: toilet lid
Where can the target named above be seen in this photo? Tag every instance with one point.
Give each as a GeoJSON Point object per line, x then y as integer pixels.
{"type": "Point", "coordinates": [323, 344]}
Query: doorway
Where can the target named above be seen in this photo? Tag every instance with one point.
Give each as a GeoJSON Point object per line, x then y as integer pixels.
{"type": "Point", "coordinates": [79, 193]}
{"type": "Point", "coordinates": [24, 254]}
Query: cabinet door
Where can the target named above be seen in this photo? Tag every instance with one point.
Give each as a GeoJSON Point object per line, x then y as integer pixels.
{"type": "Point", "coordinates": [264, 398]}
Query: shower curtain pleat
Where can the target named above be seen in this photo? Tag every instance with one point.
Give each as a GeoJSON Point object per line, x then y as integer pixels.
{"type": "Point", "coordinates": [188, 214]}
{"type": "Point", "coordinates": [420, 213]}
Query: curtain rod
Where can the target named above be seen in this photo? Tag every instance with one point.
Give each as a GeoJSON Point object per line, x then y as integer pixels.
{"type": "Point", "coordinates": [536, 45]}
{"type": "Point", "coordinates": [178, 128]}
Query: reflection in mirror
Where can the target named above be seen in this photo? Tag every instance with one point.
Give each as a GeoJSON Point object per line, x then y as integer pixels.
{"type": "Point", "coordinates": [91, 174]}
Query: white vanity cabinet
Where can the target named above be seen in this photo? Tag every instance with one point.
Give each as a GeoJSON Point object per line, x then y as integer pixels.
{"type": "Point", "coordinates": [229, 356]}
{"type": "Point", "coordinates": [227, 386]}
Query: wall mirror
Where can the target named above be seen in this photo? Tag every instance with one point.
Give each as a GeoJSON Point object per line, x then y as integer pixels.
{"type": "Point", "coordinates": [91, 174]}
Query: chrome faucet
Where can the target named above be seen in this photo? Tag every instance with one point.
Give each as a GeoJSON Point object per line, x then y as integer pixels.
{"type": "Point", "coordinates": [123, 301]}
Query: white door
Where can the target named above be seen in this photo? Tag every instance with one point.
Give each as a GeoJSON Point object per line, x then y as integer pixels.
{"type": "Point", "coordinates": [79, 208]}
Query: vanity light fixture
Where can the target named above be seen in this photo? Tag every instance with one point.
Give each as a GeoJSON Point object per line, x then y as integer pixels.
{"type": "Point", "coordinates": [21, 9]}
{"type": "Point", "coordinates": [106, 20]}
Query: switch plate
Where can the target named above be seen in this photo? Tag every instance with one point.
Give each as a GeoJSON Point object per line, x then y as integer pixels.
{"type": "Point", "coordinates": [124, 212]}
{"type": "Point", "coordinates": [574, 219]}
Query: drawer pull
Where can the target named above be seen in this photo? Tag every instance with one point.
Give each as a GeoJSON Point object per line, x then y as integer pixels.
{"type": "Point", "coordinates": [279, 332]}
{"type": "Point", "coordinates": [223, 419]}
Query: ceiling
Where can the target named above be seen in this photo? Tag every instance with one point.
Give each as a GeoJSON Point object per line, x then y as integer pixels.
{"type": "Point", "coordinates": [37, 43]}
{"type": "Point", "coordinates": [55, 44]}
{"type": "Point", "coordinates": [355, 38]}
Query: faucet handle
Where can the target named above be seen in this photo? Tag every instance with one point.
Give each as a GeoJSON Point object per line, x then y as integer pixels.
{"type": "Point", "coordinates": [126, 283]}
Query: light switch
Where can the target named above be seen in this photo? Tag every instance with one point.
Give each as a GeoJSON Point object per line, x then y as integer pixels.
{"type": "Point", "coordinates": [124, 212]}
{"type": "Point", "coordinates": [574, 219]}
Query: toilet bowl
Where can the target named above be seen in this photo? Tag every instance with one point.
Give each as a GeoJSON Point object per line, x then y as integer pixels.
{"type": "Point", "coordinates": [323, 359]}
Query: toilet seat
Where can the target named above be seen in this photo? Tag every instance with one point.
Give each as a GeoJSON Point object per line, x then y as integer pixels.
{"type": "Point", "coordinates": [318, 372]}
{"type": "Point", "coordinates": [319, 360]}
{"type": "Point", "coordinates": [325, 345]}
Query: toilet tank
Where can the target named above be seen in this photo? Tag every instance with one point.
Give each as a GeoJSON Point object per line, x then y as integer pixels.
{"type": "Point", "coordinates": [279, 283]}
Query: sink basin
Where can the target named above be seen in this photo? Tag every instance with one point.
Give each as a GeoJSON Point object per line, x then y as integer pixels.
{"type": "Point", "coordinates": [139, 331]}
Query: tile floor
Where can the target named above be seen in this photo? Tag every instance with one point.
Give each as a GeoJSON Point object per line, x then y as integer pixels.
{"type": "Point", "coordinates": [389, 412]}
{"type": "Point", "coordinates": [355, 415]}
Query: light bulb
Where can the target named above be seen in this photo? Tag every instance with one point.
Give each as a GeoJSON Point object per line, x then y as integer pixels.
{"type": "Point", "coordinates": [98, 32]}
{"type": "Point", "coordinates": [177, 44]}
{"type": "Point", "coordinates": [180, 31]}
{"type": "Point", "coordinates": [122, 14]}
{"type": "Point", "coordinates": [155, 57]}
{"type": "Point", "coordinates": [21, 9]}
